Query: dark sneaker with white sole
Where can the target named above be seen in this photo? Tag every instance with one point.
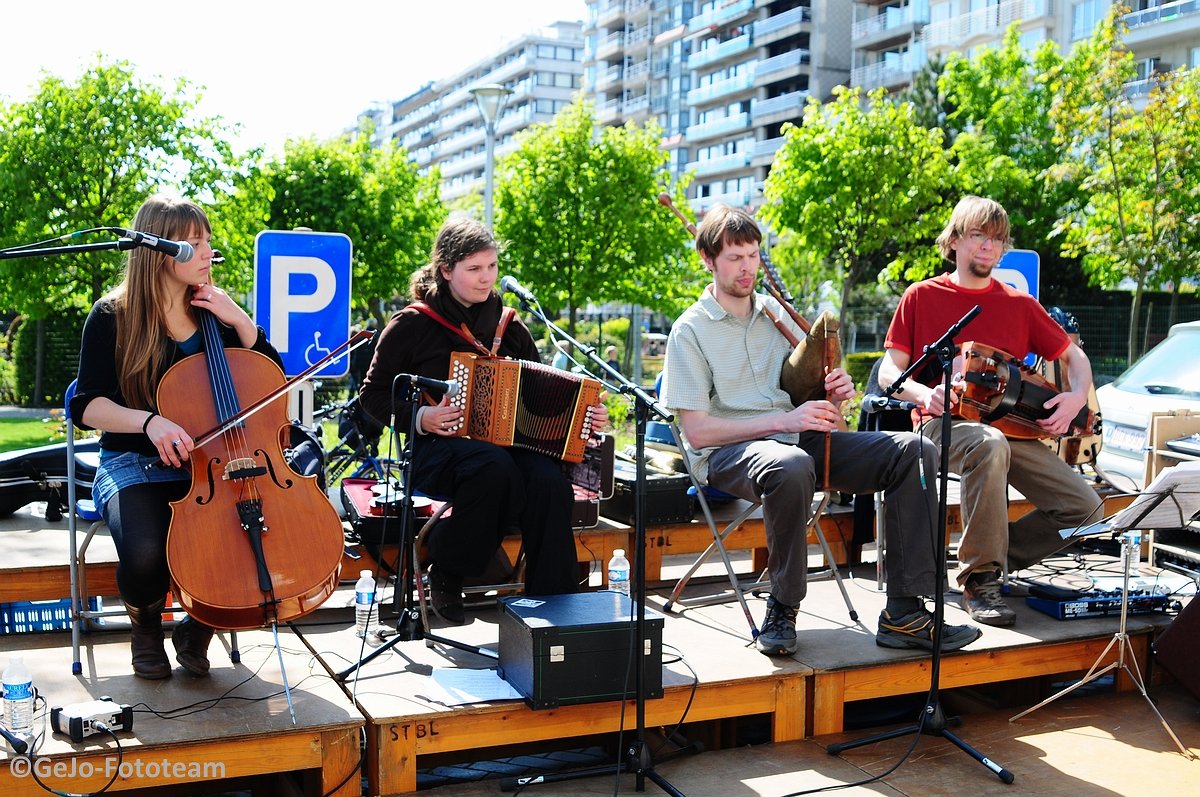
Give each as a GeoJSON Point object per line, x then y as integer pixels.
{"type": "Point", "coordinates": [983, 600]}
{"type": "Point", "coordinates": [778, 635]}
{"type": "Point", "coordinates": [915, 630]}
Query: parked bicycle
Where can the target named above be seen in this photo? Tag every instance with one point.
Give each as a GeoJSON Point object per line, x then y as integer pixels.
{"type": "Point", "coordinates": [355, 455]}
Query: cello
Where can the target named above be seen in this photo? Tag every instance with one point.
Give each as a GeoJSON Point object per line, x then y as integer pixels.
{"type": "Point", "coordinates": [252, 543]}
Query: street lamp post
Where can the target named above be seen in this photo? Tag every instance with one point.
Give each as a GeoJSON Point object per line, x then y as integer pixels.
{"type": "Point", "coordinates": [490, 99]}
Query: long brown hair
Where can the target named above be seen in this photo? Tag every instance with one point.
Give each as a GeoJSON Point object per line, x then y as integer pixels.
{"type": "Point", "coordinates": [139, 301]}
{"type": "Point", "coordinates": [459, 238]}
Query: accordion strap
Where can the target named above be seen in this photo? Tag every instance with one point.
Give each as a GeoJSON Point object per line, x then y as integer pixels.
{"type": "Point", "coordinates": [506, 317]}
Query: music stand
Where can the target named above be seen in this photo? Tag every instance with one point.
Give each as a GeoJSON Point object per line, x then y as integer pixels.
{"type": "Point", "coordinates": [1149, 511]}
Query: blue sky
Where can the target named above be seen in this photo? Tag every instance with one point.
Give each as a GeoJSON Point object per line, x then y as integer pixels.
{"type": "Point", "coordinates": [280, 69]}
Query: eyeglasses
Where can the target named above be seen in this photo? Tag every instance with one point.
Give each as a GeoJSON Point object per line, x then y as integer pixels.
{"type": "Point", "coordinates": [978, 238]}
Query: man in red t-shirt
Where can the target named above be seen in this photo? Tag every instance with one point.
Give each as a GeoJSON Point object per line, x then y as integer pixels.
{"type": "Point", "coordinates": [1012, 321]}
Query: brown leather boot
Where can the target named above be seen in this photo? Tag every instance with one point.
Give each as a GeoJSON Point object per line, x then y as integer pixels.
{"type": "Point", "coordinates": [191, 639]}
{"type": "Point", "coordinates": [146, 641]}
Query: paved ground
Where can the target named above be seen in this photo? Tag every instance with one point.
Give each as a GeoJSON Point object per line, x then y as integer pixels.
{"type": "Point", "coordinates": [8, 411]}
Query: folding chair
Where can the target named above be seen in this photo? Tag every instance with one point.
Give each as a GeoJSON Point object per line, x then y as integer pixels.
{"type": "Point", "coordinates": [86, 509]}
{"type": "Point", "coordinates": [738, 588]}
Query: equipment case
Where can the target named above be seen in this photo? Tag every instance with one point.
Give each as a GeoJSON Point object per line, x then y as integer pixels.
{"type": "Point", "coordinates": [561, 650]}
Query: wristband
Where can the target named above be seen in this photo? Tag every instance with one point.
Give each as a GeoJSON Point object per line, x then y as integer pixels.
{"type": "Point", "coordinates": [149, 418]}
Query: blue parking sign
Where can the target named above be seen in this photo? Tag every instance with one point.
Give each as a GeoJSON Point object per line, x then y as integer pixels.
{"type": "Point", "coordinates": [1020, 268]}
{"type": "Point", "coordinates": [302, 296]}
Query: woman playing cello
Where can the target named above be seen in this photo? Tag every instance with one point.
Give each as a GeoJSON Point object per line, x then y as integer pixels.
{"type": "Point", "coordinates": [132, 335]}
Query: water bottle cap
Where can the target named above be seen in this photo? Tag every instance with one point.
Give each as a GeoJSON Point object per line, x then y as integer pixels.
{"type": "Point", "coordinates": [364, 574]}
{"type": "Point", "coordinates": [618, 551]}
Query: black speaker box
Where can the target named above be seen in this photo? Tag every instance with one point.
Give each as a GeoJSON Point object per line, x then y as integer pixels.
{"type": "Point", "coordinates": [1177, 649]}
{"type": "Point", "coordinates": [560, 650]}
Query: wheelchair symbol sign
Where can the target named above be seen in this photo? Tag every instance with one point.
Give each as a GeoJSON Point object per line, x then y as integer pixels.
{"type": "Point", "coordinates": [302, 296]}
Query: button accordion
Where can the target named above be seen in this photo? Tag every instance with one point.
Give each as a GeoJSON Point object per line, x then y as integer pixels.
{"type": "Point", "coordinates": [524, 404]}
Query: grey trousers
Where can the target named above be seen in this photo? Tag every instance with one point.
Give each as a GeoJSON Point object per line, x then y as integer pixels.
{"type": "Point", "coordinates": [784, 477]}
{"type": "Point", "coordinates": [988, 463]}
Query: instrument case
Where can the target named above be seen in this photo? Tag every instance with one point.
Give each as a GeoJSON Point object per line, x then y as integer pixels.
{"type": "Point", "coordinates": [667, 499]}
{"type": "Point", "coordinates": [561, 650]}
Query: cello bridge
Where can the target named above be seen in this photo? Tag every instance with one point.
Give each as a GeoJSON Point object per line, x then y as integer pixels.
{"type": "Point", "coordinates": [243, 468]}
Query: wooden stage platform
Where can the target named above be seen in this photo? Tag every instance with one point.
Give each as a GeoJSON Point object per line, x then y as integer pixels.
{"type": "Point", "coordinates": [713, 680]}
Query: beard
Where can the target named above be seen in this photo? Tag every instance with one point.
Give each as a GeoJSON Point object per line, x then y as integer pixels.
{"type": "Point", "coordinates": [981, 270]}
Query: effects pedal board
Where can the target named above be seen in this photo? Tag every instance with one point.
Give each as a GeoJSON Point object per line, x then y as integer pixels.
{"type": "Point", "coordinates": [80, 720]}
{"type": "Point", "coordinates": [1096, 603]}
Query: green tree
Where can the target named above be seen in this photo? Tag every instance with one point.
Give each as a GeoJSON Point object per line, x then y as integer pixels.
{"type": "Point", "coordinates": [85, 154]}
{"type": "Point", "coordinates": [375, 196]}
{"type": "Point", "coordinates": [1135, 165]}
{"type": "Point", "coordinates": [577, 205]}
{"type": "Point", "coordinates": [1005, 148]}
{"type": "Point", "coordinates": [860, 187]}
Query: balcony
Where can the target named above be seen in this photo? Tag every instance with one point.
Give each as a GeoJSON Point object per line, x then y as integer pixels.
{"type": "Point", "coordinates": [720, 52]}
{"type": "Point", "coordinates": [720, 16]}
{"type": "Point", "coordinates": [636, 74]}
{"type": "Point", "coordinates": [737, 199]}
{"type": "Point", "coordinates": [890, 73]}
{"type": "Point", "coordinates": [781, 26]}
{"type": "Point", "coordinates": [780, 67]}
{"type": "Point", "coordinates": [893, 24]}
{"type": "Point", "coordinates": [724, 163]}
{"type": "Point", "coordinates": [612, 44]}
{"type": "Point", "coordinates": [1177, 21]}
{"type": "Point", "coordinates": [635, 105]}
{"type": "Point", "coordinates": [764, 151]}
{"type": "Point", "coordinates": [957, 32]}
{"type": "Point", "coordinates": [608, 112]}
{"type": "Point", "coordinates": [1164, 13]}
{"type": "Point", "coordinates": [610, 12]}
{"type": "Point", "coordinates": [721, 88]}
{"type": "Point", "coordinates": [638, 40]}
{"type": "Point", "coordinates": [608, 77]}
{"type": "Point", "coordinates": [778, 109]}
{"type": "Point", "coordinates": [718, 127]}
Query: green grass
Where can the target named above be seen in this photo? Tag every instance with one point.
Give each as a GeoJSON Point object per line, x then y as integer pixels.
{"type": "Point", "coordinates": [18, 433]}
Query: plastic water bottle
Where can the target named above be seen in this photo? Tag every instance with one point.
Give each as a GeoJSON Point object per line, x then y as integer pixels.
{"type": "Point", "coordinates": [18, 696]}
{"type": "Point", "coordinates": [364, 602]}
{"type": "Point", "coordinates": [618, 572]}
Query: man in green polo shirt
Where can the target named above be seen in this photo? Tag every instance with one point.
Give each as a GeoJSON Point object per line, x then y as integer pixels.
{"type": "Point", "coordinates": [724, 357]}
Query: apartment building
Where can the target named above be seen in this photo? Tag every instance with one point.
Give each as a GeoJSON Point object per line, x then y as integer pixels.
{"type": "Point", "coordinates": [720, 77]}
{"type": "Point", "coordinates": [893, 39]}
{"type": "Point", "coordinates": [441, 124]}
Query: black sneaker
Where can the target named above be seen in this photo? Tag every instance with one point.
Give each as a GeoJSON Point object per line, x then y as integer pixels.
{"type": "Point", "coordinates": [983, 602]}
{"type": "Point", "coordinates": [915, 630]}
{"type": "Point", "coordinates": [778, 635]}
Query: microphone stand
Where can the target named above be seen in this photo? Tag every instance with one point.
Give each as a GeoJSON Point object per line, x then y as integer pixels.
{"type": "Point", "coordinates": [933, 720]}
{"type": "Point", "coordinates": [408, 622]}
{"type": "Point", "coordinates": [122, 245]}
{"type": "Point", "coordinates": [638, 758]}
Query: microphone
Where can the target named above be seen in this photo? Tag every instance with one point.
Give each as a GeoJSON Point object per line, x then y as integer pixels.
{"type": "Point", "coordinates": [18, 745]}
{"type": "Point", "coordinates": [180, 251]}
{"type": "Point", "coordinates": [873, 404]}
{"type": "Point", "coordinates": [450, 387]}
{"type": "Point", "coordinates": [509, 284]}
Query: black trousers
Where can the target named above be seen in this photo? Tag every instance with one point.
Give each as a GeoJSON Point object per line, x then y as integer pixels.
{"type": "Point", "coordinates": [493, 490]}
{"type": "Point", "coordinates": [138, 518]}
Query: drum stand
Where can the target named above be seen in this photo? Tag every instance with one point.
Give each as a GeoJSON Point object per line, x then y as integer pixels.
{"type": "Point", "coordinates": [1131, 546]}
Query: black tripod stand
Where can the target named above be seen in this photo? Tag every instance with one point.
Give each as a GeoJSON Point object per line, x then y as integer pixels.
{"type": "Point", "coordinates": [933, 720]}
{"type": "Point", "coordinates": [636, 756]}
{"type": "Point", "coordinates": [408, 622]}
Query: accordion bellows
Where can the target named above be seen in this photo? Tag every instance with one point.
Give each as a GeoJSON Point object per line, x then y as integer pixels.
{"type": "Point", "coordinates": [524, 404]}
